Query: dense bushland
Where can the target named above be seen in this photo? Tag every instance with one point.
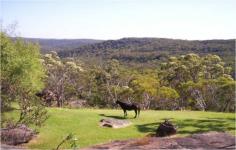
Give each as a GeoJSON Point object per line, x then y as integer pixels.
{"type": "Point", "coordinates": [182, 82]}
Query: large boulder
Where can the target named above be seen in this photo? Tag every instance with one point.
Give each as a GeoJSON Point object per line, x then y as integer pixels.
{"type": "Point", "coordinates": [114, 123]}
{"type": "Point", "coordinates": [165, 129]}
{"type": "Point", "coordinates": [16, 135]}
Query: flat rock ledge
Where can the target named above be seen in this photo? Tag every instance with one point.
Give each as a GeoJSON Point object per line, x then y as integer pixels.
{"type": "Point", "coordinates": [11, 147]}
{"type": "Point", "coordinates": [114, 123]}
{"type": "Point", "coordinates": [209, 140]}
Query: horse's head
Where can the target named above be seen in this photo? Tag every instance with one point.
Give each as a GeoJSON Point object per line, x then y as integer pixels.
{"type": "Point", "coordinates": [39, 94]}
{"type": "Point", "coordinates": [118, 102]}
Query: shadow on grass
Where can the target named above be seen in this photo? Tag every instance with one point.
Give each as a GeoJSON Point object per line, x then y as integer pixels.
{"type": "Point", "coordinates": [110, 116]}
{"type": "Point", "coordinates": [117, 117]}
{"type": "Point", "coordinates": [191, 126]}
{"type": "Point", "coordinates": [151, 127]}
{"type": "Point", "coordinates": [205, 125]}
{"type": "Point", "coordinates": [8, 109]}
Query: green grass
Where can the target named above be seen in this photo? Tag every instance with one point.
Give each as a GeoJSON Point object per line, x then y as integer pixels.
{"type": "Point", "coordinates": [84, 124]}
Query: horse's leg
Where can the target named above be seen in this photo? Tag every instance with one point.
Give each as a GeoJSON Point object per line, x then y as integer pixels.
{"type": "Point", "coordinates": [125, 113]}
{"type": "Point", "coordinates": [135, 110]}
{"type": "Point", "coordinates": [138, 111]}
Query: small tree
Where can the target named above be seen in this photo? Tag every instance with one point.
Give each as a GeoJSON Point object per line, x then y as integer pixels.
{"type": "Point", "coordinates": [21, 77]}
{"type": "Point", "coordinates": [145, 89]}
{"type": "Point", "coordinates": [166, 98]}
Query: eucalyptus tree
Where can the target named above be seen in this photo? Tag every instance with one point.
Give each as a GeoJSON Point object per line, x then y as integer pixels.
{"type": "Point", "coordinates": [63, 77]}
{"type": "Point", "coordinates": [145, 89]}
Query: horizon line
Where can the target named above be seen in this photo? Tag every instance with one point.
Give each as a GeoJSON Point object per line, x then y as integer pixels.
{"type": "Point", "coordinates": [124, 38]}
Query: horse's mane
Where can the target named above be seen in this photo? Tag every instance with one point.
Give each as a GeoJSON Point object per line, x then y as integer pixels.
{"type": "Point", "coordinates": [121, 102]}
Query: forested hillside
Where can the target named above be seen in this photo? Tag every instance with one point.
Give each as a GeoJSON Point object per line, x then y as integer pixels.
{"type": "Point", "coordinates": [136, 49]}
{"type": "Point", "coordinates": [137, 52]}
{"type": "Point", "coordinates": [145, 49]}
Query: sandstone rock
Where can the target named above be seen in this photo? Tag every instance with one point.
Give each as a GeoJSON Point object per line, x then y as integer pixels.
{"type": "Point", "coordinates": [114, 123]}
{"type": "Point", "coordinates": [210, 140]}
{"type": "Point", "coordinates": [215, 139]}
{"type": "Point", "coordinates": [16, 135]}
{"type": "Point", "coordinates": [11, 147]}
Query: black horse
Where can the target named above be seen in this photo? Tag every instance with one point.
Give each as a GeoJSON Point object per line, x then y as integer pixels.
{"type": "Point", "coordinates": [126, 106]}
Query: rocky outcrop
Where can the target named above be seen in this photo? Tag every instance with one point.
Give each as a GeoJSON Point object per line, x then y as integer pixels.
{"type": "Point", "coordinates": [114, 123]}
{"type": "Point", "coordinates": [16, 135]}
{"type": "Point", "coordinates": [210, 140]}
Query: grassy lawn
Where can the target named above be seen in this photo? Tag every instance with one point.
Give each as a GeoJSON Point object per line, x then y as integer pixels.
{"type": "Point", "coordinates": [84, 124]}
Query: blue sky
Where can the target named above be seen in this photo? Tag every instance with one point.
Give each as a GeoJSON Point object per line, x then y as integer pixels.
{"type": "Point", "coordinates": [114, 19]}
